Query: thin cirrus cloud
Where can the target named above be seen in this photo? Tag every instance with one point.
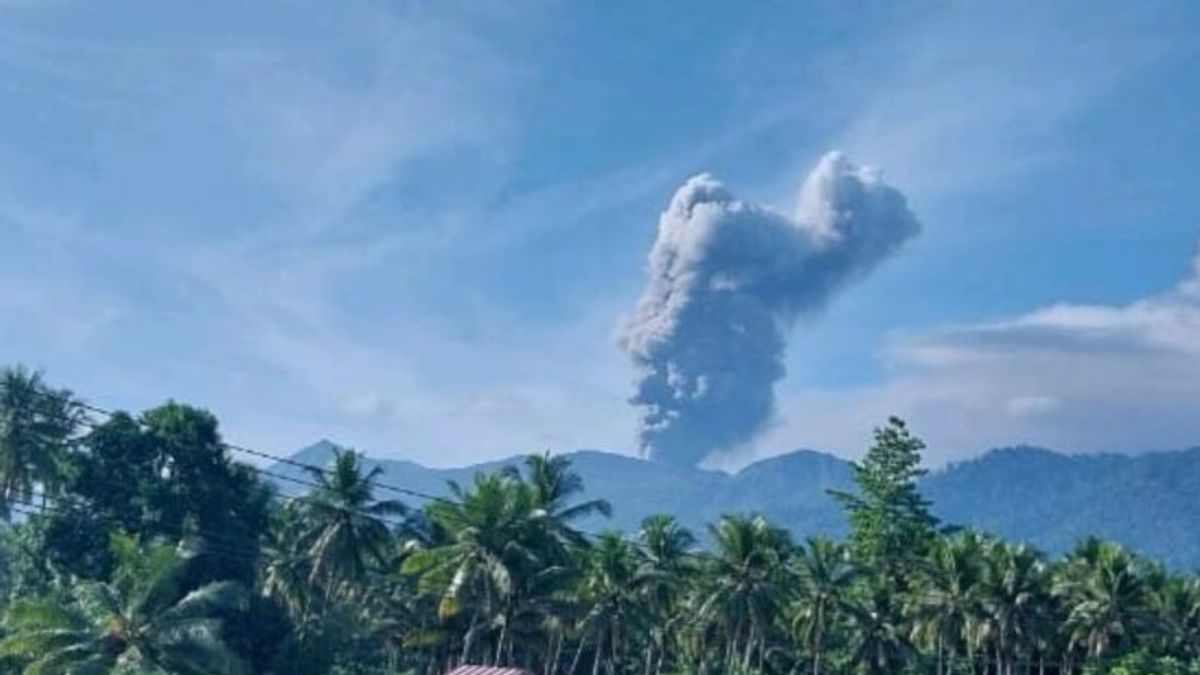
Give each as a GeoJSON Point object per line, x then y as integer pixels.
{"type": "Point", "coordinates": [329, 137]}
{"type": "Point", "coordinates": [972, 98]}
{"type": "Point", "coordinates": [205, 177]}
{"type": "Point", "coordinates": [351, 220]}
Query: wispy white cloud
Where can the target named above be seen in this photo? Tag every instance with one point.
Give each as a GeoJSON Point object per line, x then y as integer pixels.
{"type": "Point", "coordinates": [213, 185]}
{"type": "Point", "coordinates": [327, 133]}
{"type": "Point", "coordinates": [1070, 376]}
{"type": "Point", "coordinates": [441, 397]}
{"type": "Point", "coordinates": [970, 97]}
{"type": "Point", "coordinates": [1032, 404]}
{"type": "Point", "coordinates": [294, 128]}
{"type": "Point", "coordinates": [968, 100]}
{"type": "Point", "coordinates": [51, 308]}
{"type": "Point", "coordinates": [209, 188]}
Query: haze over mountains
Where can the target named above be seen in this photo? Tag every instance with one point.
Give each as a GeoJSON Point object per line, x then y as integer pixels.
{"type": "Point", "coordinates": [1149, 502]}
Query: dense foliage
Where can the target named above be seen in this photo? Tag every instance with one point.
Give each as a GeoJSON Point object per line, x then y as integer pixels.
{"type": "Point", "coordinates": [138, 544]}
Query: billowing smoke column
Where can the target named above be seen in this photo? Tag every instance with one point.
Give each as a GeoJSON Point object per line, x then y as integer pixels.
{"type": "Point", "coordinates": [727, 279]}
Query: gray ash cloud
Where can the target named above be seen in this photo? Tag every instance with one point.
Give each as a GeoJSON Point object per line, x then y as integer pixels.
{"type": "Point", "coordinates": [727, 280]}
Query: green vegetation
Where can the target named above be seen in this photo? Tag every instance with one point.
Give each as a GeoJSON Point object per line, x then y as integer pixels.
{"type": "Point", "coordinates": [138, 544]}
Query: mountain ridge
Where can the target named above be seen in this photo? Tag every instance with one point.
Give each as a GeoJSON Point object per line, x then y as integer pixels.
{"type": "Point", "coordinates": [1027, 493]}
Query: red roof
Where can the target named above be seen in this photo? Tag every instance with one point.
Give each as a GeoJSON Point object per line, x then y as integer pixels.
{"type": "Point", "coordinates": [485, 670]}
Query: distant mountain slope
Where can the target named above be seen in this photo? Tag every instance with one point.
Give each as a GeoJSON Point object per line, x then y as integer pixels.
{"type": "Point", "coordinates": [1149, 502]}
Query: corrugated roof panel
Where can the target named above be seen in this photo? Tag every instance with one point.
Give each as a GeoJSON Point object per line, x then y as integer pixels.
{"type": "Point", "coordinates": [485, 670]}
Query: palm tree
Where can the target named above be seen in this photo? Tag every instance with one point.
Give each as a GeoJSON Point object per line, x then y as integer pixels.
{"type": "Point", "coordinates": [345, 532]}
{"type": "Point", "coordinates": [667, 565]}
{"type": "Point", "coordinates": [825, 572]}
{"type": "Point", "coordinates": [144, 620]}
{"type": "Point", "coordinates": [36, 425]}
{"type": "Point", "coordinates": [551, 484]}
{"type": "Point", "coordinates": [554, 483]}
{"type": "Point", "coordinates": [288, 568]}
{"type": "Point", "coordinates": [612, 591]}
{"type": "Point", "coordinates": [1105, 596]}
{"type": "Point", "coordinates": [880, 646]}
{"type": "Point", "coordinates": [1176, 606]}
{"type": "Point", "coordinates": [1013, 595]}
{"type": "Point", "coordinates": [948, 598]}
{"type": "Point", "coordinates": [746, 577]}
{"type": "Point", "coordinates": [540, 604]}
{"type": "Point", "coordinates": [489, 539]}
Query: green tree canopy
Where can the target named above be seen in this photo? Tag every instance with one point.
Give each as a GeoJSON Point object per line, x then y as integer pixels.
{"type": "Point", "coordinates": [891, 526]}
{"type": "Point", "coordinates": [147, 619]}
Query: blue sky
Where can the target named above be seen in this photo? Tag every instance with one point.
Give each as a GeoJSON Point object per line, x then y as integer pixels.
{"type": "Point", "coordinates": [415, 227]}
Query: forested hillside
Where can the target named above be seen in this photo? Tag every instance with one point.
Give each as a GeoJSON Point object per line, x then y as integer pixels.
{"type": "Point", "coordinates": [146, 543]}
{"type": "Point", "coordinates": [1044, 498]}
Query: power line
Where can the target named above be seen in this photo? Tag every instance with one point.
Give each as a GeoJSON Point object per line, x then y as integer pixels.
{"type": "Point", "coordinates": [304, 499]}
{"type": "Point", "coordinates": [288, 461]}
{"type": "Point", "coordinates": [62, 505]}
{"type": "Point", "coordinates": [263, 472]}
{"type": "Point", "coordinates": [245, 554]}
{"type": "Point", "coordinates": [242, 555]}
{"type": "Point", "coordinates": [30, 508]}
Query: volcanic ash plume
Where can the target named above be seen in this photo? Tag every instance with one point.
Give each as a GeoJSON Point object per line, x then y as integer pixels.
{"type": "Point", "coordinates": [727, 279]}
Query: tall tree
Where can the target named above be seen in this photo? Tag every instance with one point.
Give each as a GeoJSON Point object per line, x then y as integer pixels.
{"type": "Point", "coordinates": [489, 540]}
{"type": "Point", "coordinates": [825, 573]}
{"type": "Point", "coordinates": [612, 590]}
{"type": "Point", "coordinates": [345, 531]}
{"type": "Point", "coordinates": [554, 484]}
{"type": "Point", "coordinates": [167, 473]}
{"type": "Point", "coordinates": [668, 566]}
{"type": "Point", "coordinates": [145, 620]}
{"type": "Point", "coordinates": [1014, 593]}
{"type": "Point", "coordinates": [891, 525]}
{"type": "Point", "coordinates": [747, 576]}
{"type": "Point", "coordinates": [880, 645]}
{"type": "Point", "coordinates": [1176, 606]}
{"type": "Point", "coordinates": [37, 424]}
{"type": "Point", "coordinates": [948, 597]}
{"type": "Point", "coordinates": [1104, 590]}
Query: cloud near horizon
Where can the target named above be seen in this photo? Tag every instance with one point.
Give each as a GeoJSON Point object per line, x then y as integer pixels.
{"type": "Point", "coordinates": [1074, 377]}
{"type": "Point", "coordinates": [727, 279]}
{"type": "Point", "coordinates": [411, 226]}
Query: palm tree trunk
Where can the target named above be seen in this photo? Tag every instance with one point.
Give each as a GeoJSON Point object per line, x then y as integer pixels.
{"type": "Point", "coordinates": [941, 647]}
{"type": "Point", "coordinates": [749, 650]}
{"type": "Point", "coordinates": [500, 640]}
{"type": "Point", "coordinates": [614, 639]}
{"type": "Point", "coordinates": [599, 653]}
{"type": "Point", "coordinates": [578, 656]}
{"type": "Point", "coordinates": [611, 659]}
{"type": "Point", "coordinates": [556, 651]}
{"type": "Point", "coordinates": [469, 637]}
